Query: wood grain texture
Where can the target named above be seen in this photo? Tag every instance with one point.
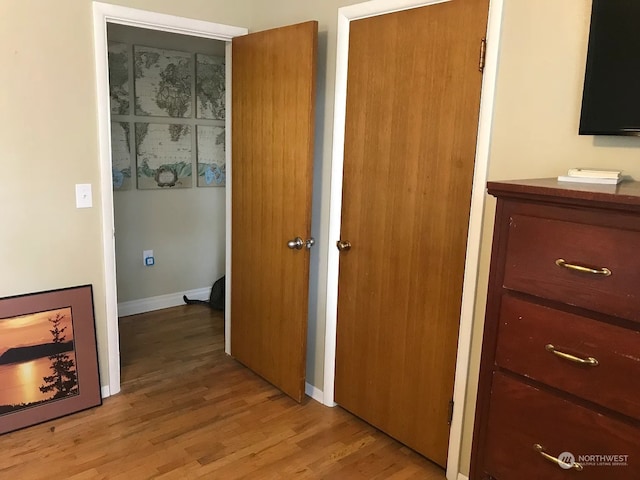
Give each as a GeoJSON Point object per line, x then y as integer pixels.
{"type": "Point", "coordinates": [624, 196]}
{"type": "Point", "coordinates": [559, 426]}
{"type": "Point", "coordinates": [536, 243]}
{"type": "Point", "coordinates": [189, 411]}
{"type": "Point", "coordinates": [526, 327]}
{"type": "Point", "coordinates": [413, 93]}
{"type": "Point", "coordinates": [273, 126]}
{"type": "Point", "coordinates": [546, 397]}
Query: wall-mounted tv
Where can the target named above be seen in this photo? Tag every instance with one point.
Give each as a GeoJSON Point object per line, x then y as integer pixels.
{"type": "Point", "coordinates": [611, 95]}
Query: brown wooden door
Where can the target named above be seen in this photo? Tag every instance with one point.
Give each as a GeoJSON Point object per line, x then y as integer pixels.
{"type": "Point", "coordinates": [413, 96]}
{"type": "Point", "coordinates": [273, 79]}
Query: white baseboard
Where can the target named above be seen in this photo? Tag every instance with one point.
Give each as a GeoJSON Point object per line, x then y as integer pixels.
{"type": "Point", "coordinates": [313, 392]}
{"type": "Point", "coordinates": [462, 477]}
{"type": "Point", "coordinates": [105, 392]}
{"type": "Point", "coordinates": [162, 301]}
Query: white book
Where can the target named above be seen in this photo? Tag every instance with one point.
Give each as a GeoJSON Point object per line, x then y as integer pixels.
{"type": "Point", "coordinates": [595, 180]}
{"type": "Point", "coordinates": [593, 173]}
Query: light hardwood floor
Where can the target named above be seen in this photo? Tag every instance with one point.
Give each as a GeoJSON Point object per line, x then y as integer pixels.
{"type": "Point", "coordinates": [187, 410]}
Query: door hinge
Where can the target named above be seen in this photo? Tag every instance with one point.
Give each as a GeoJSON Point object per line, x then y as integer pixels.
{"type": "Point", "coordinates": [450, 412]}
{"type": "Point", "coordinates": [483, 53]}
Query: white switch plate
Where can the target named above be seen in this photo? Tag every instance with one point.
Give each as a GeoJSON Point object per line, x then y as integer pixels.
{"type": "Point", "coordinates": [83, 195]}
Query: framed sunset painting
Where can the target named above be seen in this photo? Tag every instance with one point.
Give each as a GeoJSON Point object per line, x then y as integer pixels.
{"type": "Point", "coordinates": [48, 356]}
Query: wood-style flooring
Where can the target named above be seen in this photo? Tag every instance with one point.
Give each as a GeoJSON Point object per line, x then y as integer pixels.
{"type": "Point", "coordinates": [189, 411]}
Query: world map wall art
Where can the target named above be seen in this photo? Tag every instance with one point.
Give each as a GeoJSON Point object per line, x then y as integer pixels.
{"type": "Point", "coordinates": [171, 123]}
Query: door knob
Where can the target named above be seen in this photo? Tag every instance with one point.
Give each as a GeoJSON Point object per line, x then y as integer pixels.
{"type": "Point", "coordinates": [296, 244]}
{"type": "Point", "coordinates": [343, 246]}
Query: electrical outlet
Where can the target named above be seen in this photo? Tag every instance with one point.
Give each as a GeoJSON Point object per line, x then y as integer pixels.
{"type": "Point", "coordinates": [147, 258]}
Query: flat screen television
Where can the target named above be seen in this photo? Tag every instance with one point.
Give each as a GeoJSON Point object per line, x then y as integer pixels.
{"type": "Point", "coordinates": [611, 95]}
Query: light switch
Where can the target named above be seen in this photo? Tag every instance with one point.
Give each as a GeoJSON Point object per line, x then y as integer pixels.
{"type": "Point", "coordinates": [83, 195]}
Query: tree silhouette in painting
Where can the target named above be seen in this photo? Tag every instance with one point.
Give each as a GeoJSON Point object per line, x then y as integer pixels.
{"type": "Point", "coordinates": [64, 380]}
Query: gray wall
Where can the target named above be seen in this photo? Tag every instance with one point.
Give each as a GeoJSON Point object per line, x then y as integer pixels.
{"type": "Point", "coordinates": [185, 228]}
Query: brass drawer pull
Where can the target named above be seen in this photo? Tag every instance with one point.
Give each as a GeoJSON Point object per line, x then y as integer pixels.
{"type": "Point", "coordinates": [579, 268]}
{"type": "Point", "coordinates": [560, 462]}
{"type": "Point", "coordinates": [592, 362]}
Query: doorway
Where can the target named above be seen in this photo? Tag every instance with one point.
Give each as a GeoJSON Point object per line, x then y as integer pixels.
{"type": "Point", "coordinates": [181, 223]}
{"type": "Point", "coordinates": [104, 14]}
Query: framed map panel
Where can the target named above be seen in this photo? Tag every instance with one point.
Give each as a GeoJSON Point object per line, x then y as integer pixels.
{"type": "Point", "coordinates": [120, 155]}
{"type": "Point", "coordinates": [210, 87]}
{"type": "Point", "coordinates": [211, 156]}
{"type": "Point", "coordinates": [162, 82]}
{"type": "Point", "coordinates": [163, 155]}
{"type": "Point", "coordinates": [119, 77]}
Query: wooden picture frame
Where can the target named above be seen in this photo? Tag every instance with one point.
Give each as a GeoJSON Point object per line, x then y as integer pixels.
{"type": "Point", "coordinates": [48, 356]}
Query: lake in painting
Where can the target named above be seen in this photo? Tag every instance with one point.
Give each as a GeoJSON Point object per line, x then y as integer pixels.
{"type": "Point", "coordinates": [37, 359]}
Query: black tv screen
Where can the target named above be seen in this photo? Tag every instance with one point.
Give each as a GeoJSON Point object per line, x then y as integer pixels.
{"type": "Point", "coordinates": [611, 95]}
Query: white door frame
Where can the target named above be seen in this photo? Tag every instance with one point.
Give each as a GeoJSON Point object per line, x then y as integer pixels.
{"type": "Point", "coordinates": [104, 13]}
{"type": "Point", "coordinates": [380, 7]}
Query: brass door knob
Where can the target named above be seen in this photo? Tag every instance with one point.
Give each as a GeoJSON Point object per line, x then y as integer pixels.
{"type": "Point", "coordinates": [343, 246]}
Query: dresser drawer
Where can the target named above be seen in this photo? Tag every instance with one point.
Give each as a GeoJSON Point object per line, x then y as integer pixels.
{"type": "Point", "coordinates": [521, 417]}
{"type": "Point", "coordinates": [536, 245]}
{"type": "Point", "coordinates": [527, 330]}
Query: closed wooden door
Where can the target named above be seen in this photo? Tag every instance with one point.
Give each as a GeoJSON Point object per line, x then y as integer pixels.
{"type": "Point", "coordinates": [413, 97]}
{"type": "Point", "coordinates": [273, 79]}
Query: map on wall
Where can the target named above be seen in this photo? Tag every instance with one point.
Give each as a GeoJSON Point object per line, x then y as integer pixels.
{"type": "Point", "coordinates": [162, 82]}
{"type": "Point", "coordinates": [119, 78]}
{"type": "Point", "coordinates": [211, 158]}
{"type": "Point", "coordinates": [120, 155]}
{"type": "Point", "coordinates": [210, 87]}
{"type": "Point", "coordinates": [163, 155]}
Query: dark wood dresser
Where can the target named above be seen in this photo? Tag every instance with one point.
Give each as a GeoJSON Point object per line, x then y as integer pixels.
{"type": "Point", "coordinates": [559, 391]}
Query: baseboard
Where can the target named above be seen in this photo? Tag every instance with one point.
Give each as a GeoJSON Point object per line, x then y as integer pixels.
{"type": "Point", "coordinates": [105, 392]}
{"type": "Point", "coordinates": [313, 392]}
{"type": "Point", "coordinates": [150, 304]}
{"type": "Point", "coordinates": [462, 477]}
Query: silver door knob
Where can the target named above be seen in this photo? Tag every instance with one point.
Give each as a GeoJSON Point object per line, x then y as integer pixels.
{"type": "Point", "coordinates": [343, 246]}
{"type": "Point", "coordinates": [310, 243]}
{"type": "Point", "coordinates": [296, 244]}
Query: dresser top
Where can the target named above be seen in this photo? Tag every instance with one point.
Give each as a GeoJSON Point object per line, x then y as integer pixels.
{"type": "Point", "coordinates": [625, 195]}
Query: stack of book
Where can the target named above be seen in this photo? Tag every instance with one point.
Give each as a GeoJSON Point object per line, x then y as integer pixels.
{"type": "Point", "coordinates": [592, 175]}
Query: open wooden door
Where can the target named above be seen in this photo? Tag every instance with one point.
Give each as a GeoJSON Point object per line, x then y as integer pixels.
{"type": "Point", "coordinates": [273, 81]}
{"type": "Point", "coordinates": [413, 98]}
